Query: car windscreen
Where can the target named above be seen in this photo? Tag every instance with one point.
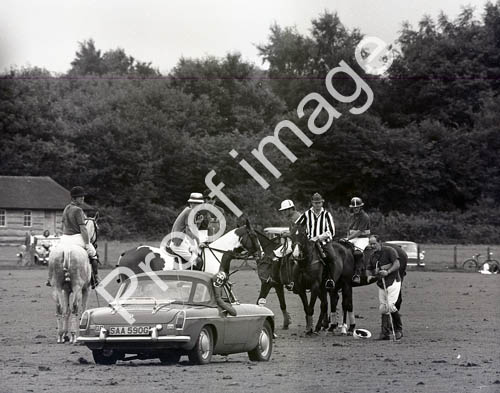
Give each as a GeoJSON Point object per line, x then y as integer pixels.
{"type": "Point", "coordinates": [169, 290]}
{"type": "Point", "coordinates": [409, 248]}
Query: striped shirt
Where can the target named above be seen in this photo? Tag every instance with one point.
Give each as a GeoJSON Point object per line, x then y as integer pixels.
{"type": "Point", "coordinates": [316, 224]}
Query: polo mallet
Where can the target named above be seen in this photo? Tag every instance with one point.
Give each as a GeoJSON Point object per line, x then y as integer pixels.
{"type": "Point", "coordinates": [97, 298]}
{"type": "Point", "coordinates": [388, 306]}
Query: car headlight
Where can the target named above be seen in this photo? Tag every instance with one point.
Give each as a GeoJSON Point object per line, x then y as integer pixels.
{"type": "Point", "coordinates": [84, 321]}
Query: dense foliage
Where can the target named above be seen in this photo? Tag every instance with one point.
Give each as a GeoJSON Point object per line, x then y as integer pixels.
{"type": "Point", "coordinates": [425, 156]}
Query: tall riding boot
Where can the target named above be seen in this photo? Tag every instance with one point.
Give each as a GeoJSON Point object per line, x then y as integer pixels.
{"type": "Point", "coordinates": [94, 281]}
{"type": "Point", "coordinates": [398, 324]}
{"type": "Point", "coordinates": [358, 262]}
{"type": "Point", "coordinates": [385, 331]}
{"type": "Point", "coordinates": [275, 272]}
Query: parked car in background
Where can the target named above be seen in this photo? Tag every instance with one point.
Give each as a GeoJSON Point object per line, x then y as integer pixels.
{"type": "Point", "coordinates": [411, 249]}
{"type": "Point", "coordinates": [178, 318]}
{"type": "Point", "coordinates": [43, 245]}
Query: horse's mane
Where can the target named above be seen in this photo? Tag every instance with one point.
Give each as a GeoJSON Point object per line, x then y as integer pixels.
{"type": "Point", "coordinates": [268, 245]}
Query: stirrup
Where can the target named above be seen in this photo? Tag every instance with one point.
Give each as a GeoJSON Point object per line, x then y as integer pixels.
{"type": "Point", "coordinates": [356, 279]}
{"type": "Point", "coordinates": [330, 284]}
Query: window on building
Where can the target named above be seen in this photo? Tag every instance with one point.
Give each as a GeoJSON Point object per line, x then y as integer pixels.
{"type": "Point", "coordinates": [3, 217]}
{"type": "Point", "coordinates": [27, 218]}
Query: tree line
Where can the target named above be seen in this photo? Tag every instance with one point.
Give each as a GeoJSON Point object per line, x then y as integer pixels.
{"type": "Point", "coordinates": [426, 151]}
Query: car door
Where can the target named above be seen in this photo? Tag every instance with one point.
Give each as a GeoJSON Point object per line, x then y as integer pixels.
{"type": "Point", "coordinates": [235, 328]}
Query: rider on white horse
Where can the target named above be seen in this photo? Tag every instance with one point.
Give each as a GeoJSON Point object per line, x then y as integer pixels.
{"type": "Point", "coordinates": [75, 231]}
{"type": "Point", "coordinates": [358, 233]}
{"type": "Point", "coordinates": [185, 247]}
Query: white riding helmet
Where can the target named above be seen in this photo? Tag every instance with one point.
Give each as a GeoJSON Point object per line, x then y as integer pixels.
{"type": "Point", "coordinates": [356, 202]}
{"type": "Point", "coordinates": [361, 333]}
{"type": "Point", "coordinates": [286, 204]}
{"type": "Point", "coordinates": [196, 197]}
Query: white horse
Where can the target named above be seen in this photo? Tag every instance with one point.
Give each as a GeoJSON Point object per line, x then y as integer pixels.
{"type": "Point", "coordinates": [159, 258]}
{"type": "Point", "coordinates": [70, 272]}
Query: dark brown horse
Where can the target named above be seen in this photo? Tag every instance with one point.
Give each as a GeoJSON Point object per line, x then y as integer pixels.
{"type": "Point", "coordinates": [268, 277]}
{"type": "Point", "coordinates": [309, 272]}
{"type": "Point", "coordinates": [306, 273]}
{"type": "Point", "coordinates": [345, 286]}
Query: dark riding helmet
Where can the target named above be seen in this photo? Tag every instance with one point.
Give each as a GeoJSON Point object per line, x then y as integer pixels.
{"type": "Point", "coordinates": [356, 202]}
{"type": "Point", "coordinates": [77, 192]}
{"type": "Point", "coordinates": [220, 279]}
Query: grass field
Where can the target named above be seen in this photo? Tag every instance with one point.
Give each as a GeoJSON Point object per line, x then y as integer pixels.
{"type": "Point", "coordinates": [438, 257]}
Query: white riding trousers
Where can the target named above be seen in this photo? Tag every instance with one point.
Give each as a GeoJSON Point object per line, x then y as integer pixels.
{"type": "Point", "coordinates": [77, 240]}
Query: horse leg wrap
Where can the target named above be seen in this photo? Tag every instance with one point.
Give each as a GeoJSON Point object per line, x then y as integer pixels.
{"type": "Point", "coordinates": [286, 319]}
{"type": "Point", "coordinates": [343, 329]}
{"type": "Point", "coordinates": [309, 322]}
{"type": "Point", "coordinates": [351, 318]}
{"type": "Point", "coordinates": [73, 324]}
{"type": "Point", "coordinates": [60, 331]}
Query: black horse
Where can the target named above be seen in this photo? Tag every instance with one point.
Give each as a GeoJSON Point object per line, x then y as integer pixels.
{"type": "Point", "coordinates": [302, 274]}
{"type": "Point", "coordinates": [309, 272]}
{"type": "Point", "coordinates": [345, 286]}
{"type": "Point", "coordinates": [268, 277]}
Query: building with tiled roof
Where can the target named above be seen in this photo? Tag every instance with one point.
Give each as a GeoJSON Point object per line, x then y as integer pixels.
{"type": "Point", "coordinates": [30, 204]}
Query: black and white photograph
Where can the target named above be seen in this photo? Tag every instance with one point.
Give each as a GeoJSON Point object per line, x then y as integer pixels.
{"type": "Point", "coordinates": [249, 196]}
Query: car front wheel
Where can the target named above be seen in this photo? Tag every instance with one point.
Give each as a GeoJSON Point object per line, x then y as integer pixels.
{"type": "Point", "coordinates": [105, 356]}
{"type": "Point", "coordinates": [262, 352]}
{"type": "Point", "coordinates": [203, 349]}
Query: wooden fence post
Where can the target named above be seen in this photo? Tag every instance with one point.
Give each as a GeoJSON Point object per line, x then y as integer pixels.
{"type": "Point", "coordinates": [418, 255]}
{"type": "Point", "coordinates": [488, 253]}
{"type": "Point", "coordinates": [455, 257]}
{"type": "Point", "coordinates": [106, 253]}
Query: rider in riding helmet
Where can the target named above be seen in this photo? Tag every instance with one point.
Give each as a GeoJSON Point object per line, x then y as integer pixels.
{"type": "Point", "coordinates": [219, 280]}
{"type": "Point", "coordinates": [75, 230]}
{"type": "Point", "coordinates": [291, 216]}
{"type": "Point", "coordinates": [357, 234]}
{"type": "Point", "coordinates": [210, 222]}
{"type": "Point", "coordinates": [185, 246]}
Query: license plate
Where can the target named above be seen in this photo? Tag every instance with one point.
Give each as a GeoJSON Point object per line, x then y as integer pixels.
{"type": "Point", "coordinates": [128, 330]}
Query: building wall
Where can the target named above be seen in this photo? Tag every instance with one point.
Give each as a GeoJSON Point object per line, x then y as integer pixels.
{"type": "Point", "coordinates": [14, 232]}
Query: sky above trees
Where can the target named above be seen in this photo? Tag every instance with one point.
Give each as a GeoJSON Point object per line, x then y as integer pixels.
{"type": "Point", "coordinates": [46, 33]}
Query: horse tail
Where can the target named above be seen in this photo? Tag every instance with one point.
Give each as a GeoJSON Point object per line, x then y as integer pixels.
{"type": "Point", "coordinates": [67, 266]}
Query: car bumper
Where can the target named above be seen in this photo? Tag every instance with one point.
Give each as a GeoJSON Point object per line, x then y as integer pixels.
{"type": "Point", "coordinates": [135, 339]}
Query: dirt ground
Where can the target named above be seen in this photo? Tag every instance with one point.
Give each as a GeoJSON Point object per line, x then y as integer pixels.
{"type": "Point", "coordinates": [451, 344]}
